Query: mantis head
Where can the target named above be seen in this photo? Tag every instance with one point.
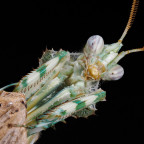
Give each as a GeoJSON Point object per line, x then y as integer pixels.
{"type": "Point", "coordinates": [102, 60]}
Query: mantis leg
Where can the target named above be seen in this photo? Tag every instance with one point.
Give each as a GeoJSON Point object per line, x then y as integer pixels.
{"type": "Point", "coordinates": [67, 109]}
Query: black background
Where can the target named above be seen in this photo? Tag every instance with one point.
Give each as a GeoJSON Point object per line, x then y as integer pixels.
{"type": "Point", "coordinates": [27, 29]}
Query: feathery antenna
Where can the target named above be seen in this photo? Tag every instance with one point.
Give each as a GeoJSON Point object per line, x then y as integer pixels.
{"type": "Point", "coordinates": [131, 19]}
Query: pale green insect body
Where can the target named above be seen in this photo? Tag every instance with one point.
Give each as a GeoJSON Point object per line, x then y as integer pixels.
{"type": "Point", "coordinates": [66, 92]}
{"type": "Point", "coordinates": [67, 84]}
{"type": "Point", "coordinates": [74, 98]}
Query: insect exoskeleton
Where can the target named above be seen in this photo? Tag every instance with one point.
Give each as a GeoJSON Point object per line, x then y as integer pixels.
{"type": "Point", "coordinates": [115, 73]}
{"type": "Point", "coordinates": [93, 72]}
{"type": "Point", "coordinates": [96, 70]}
{"type": "Point", "coordinates": [94, 45]}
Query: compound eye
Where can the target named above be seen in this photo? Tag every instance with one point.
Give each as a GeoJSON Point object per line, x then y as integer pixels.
{"type": "Point", "coordinates": [95, 45]}
{"type": "Point", "coordinates": [116, 72]}
{"type": "Point", "coordinates": [91, 41]}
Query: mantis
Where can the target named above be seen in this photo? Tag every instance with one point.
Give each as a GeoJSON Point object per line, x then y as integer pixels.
{"type": "Point", "coordinates": [67, 84]}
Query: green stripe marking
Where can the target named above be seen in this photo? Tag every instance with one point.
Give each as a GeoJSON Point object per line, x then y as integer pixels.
{"type": "Point", "coordinates": [42, 70]}
{"type": "Point", "coordinates": [61, 54]}
{"type": "Point", "coordinates": [80, 104]}
{"type": "Point", "coordinates": [63, 113]}
{"type": "Point", "coordinates": [24, 82]}
{"type": "Point", "coordinates": [100, 95]}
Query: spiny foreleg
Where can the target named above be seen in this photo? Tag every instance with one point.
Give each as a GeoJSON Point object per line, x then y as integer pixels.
{"type": "Point", "coordinates": [65, 110]}
{"type": "Point", "coordinates": [34, 80]}
{"type": "Point", "coordinates": [67, 94]}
